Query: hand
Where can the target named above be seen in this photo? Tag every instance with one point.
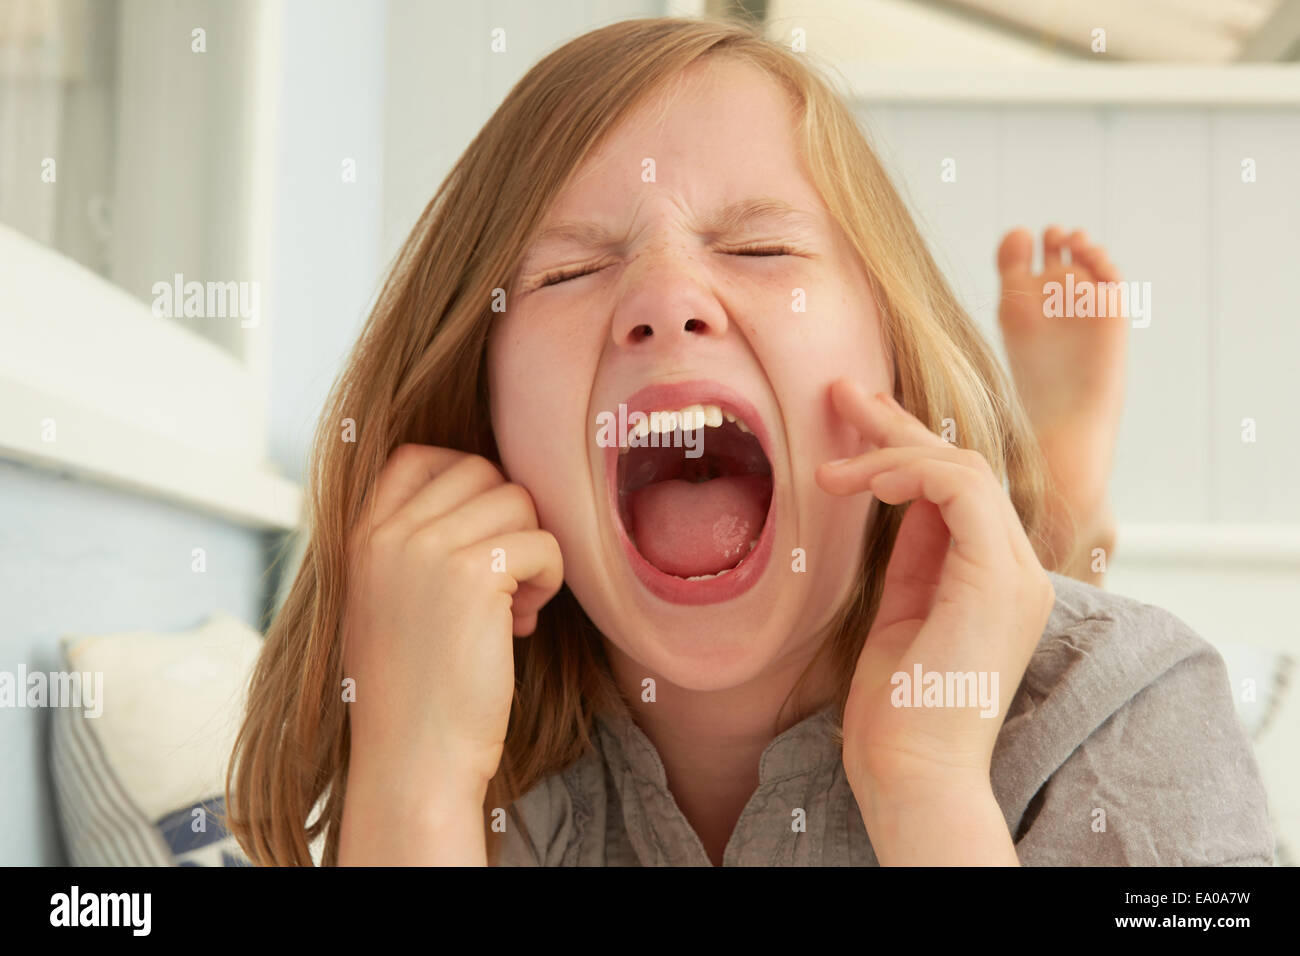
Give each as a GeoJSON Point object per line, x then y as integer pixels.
{"type": "Point", "coordinates": [447, 563]}
{"type": "Point", "coordinates": [977, 605]}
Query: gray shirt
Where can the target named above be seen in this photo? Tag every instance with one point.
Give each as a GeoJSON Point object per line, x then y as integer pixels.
{"type": "Point", "coordinates": [1121, 747]}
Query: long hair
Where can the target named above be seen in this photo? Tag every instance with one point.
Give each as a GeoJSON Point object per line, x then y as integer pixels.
{"type": "Point", "coordinates": [418, 374]}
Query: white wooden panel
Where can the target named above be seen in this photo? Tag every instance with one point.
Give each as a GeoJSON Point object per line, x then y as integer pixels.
{"type": "Point", "coordinates": [1086, 84]}
{"type": "Point", "coordinates": [959, 219]}
{"type": "Point", "coordinates": [1255, 342]}
{"type": "Point", "coordinates": [1157, 218]}
{"type": "Point", "coordinates": [880, 123]}
{"type": "Point", "coordinates": [1051, 168]}
{"type": "Point", "coordinates": [1225, 604]}
{"type": "Point", "coordinates": [1049, 171]}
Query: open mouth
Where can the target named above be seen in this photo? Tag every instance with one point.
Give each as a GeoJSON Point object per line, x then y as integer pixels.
{"type": "Point", "coordinates": [692, 487]}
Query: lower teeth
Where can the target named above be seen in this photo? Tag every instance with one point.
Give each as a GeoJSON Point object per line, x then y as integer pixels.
{"type": "Point", "coordinates": [709, 577]}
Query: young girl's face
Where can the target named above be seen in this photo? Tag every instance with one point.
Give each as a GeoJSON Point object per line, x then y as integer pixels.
{"type": "Point", "coordinates": [712, 276]}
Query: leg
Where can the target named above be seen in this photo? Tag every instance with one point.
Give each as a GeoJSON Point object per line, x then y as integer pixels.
{"type": "Point", "coordinates": [1069, 371]}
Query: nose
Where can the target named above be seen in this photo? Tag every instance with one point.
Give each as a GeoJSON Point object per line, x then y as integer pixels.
{"type": "Point", "coordinates": [666, 304]}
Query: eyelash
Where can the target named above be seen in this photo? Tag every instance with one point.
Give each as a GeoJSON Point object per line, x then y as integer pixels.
{"type": "Point", "coordinates": [758, 249]}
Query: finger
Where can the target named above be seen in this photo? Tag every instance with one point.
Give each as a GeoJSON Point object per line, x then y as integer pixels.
{"type": "Point", "coordinates": [461, 482]}
{"type": "Point", "coordinates": [1019, 540]}
{"type": "Point", "coordinates": [912, 576]}
{"type": "Point", "coordinates": [1053, 238]}
{"type": "Point", "coordinates": [503, 509]}
{"type": "Point", "coordinates": [408, 469]}
{"type": "Point", "coordinates": [879, 419]}
{"type": "Point", "coordinates": [978, 528]}
{"type": "Point", "coordinates": [531, 569]}
{"type": "Point", "coordinates": [853, 475]}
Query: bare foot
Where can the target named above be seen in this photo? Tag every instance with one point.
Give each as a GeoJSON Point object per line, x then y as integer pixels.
{"type": "Point", "coordinates": [1069, 371]}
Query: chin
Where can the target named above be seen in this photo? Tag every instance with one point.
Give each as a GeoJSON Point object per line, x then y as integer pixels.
{"type": "Point", "coordinates": [706, 655]}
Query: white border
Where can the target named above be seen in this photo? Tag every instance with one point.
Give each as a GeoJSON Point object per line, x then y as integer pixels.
{"type": "Point", "coordinates": [1207, 543]}
{"type": "Point", "coordinates": [1099, 84]}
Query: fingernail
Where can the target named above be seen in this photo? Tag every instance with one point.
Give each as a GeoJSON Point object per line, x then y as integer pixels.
{"type": "Point", "coordinates": [838, 462]}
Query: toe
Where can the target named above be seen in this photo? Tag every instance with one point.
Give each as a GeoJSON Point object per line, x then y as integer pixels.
{"type": "Point", "coordinates": [1016, 253]}
{"type": "Point", "coordinates": [1102, 268]}
{"type": "Point", "coordinates": [1078, 244]}
{"type": "Point", "coordinates": [1092, 257]}
{"type": "Point", "coordinates": [1053, 239]}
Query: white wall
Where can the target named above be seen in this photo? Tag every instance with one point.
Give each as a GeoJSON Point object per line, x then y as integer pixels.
{"type": "Point", "coordinates": [326, 247]}
{"type": "Point", "coordinates": [1162, 188]}
{"type": "Point", "coordinates": [444, 81]}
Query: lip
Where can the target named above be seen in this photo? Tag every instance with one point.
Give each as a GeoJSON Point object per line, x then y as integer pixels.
{"type": "Point", "coordinates": [745, 575]}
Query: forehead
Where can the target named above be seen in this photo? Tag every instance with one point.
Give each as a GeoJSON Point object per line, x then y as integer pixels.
{"type": "Point", "coordinates": [722, 131]}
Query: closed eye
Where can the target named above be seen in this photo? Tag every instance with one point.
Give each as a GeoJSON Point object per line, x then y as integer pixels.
{"type": "Point", "coordinates": [560, 275]}
{"type": "Point", "coordinates": [758, 250]}
{"type": "Point", "coordinates": [762, 250]}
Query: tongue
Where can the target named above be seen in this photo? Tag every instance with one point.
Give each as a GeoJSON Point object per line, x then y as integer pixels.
{"type": "Point", "coordinates": [692, 528]}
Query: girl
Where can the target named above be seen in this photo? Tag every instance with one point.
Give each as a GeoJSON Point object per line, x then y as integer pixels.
{"type": "Point", "coordinates": [654, 386]}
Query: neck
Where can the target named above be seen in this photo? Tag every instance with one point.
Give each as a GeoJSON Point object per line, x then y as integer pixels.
{"type": "Point", "coordinates": [710, 742]}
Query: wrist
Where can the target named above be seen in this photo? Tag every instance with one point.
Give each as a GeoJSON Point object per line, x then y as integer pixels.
{"type": "Point", "coordinates": [415, 795]}
{"type": "Point", "coordinates": [435, 821]}
{"type": "Point", "coordinates": [883, 799]}
{"type": "Point", "coordinates": [945, 821]}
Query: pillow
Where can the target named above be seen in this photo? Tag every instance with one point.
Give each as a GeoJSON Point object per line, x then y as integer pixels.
{"type": "Point", "coordinates": [1275, 749]}
{"type": "Point", "coordinates": [1269, 708]}
{"type": "Point", "coordinates": [141, 783]}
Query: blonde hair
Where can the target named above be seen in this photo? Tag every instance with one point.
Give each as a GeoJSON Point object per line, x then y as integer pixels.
{"type": "Point", "coordinates": [418, 374]}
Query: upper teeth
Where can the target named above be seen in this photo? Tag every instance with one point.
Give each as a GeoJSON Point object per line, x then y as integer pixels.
{"type": "Point", "coordinates": [690, 418]}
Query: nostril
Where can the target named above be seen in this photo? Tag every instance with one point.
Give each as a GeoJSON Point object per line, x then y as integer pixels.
{"type": "Point", "coordinates": [693, 324]}
{"type": "Point", "coordinates": [642, 332]}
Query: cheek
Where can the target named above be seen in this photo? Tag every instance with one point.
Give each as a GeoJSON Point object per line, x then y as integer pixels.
{"type": "Point", "coordinates": [838, 336]}
{"type": "Point", "coordinates": [539, 386]}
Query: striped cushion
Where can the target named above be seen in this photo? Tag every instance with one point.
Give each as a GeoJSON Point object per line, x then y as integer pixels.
{"type": "Point", "coordinates": [141, 784]}
{"type": "Point", "coordinates": [195, 838]}
{"type": "Point", "coordinates": [102, 825]}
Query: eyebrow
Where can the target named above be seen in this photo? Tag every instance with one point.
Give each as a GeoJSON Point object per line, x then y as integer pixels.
{"type": "Point", "coordinates": [730, 219]}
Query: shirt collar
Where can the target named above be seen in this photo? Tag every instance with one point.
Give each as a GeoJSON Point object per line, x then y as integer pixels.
{"type": "Point", "coordinates": [800, 749]}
